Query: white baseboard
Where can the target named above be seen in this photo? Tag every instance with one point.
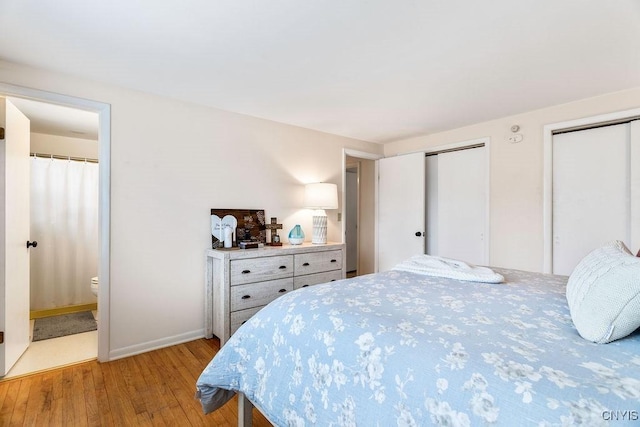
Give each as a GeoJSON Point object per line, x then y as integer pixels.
{"type": "Point", "coordinates": [154, 345]}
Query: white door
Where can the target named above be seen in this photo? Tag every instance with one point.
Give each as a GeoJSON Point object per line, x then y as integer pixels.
{"type": "Point", "coordinates": [591, 192]}
{"type": "Point", "coordinates": [461, 205]}
{"type": "Point", "coordinates": [14, 234]}
{"type": "Point", "coordinates": [401, 209]}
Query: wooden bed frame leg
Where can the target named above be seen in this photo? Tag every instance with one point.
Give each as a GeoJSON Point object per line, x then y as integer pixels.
{"type": "Point", "coordinates": [245, 411]}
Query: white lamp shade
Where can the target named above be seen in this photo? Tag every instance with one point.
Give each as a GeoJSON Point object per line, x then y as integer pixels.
{"type": "Point", "coordinates": [321, 195]}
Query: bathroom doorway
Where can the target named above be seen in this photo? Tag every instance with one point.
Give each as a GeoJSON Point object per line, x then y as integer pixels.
{"type": "Point", "coordinates": [79, 147]}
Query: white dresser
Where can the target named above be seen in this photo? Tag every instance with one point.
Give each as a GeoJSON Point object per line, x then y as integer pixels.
{"type": "Point", "coordinates": [239, 282]}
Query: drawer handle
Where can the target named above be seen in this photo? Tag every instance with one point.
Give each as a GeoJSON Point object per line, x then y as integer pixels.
{"type": "Point", "coordinates": [246, 271]}
{"type": "Point", "coordinates": [282, 291]}
{"type": "Point", "coordinates": [334, 260]}
{"type": "Point", "coordinates": [333, 280]}
{"type": "Point", "coordinates": [246, 296]}
{"type": "Point", "coordinates": [243, 322]}
{"type": "Point", "coordinates": [282, 267]}
{"type": "Point", "coordinates": [306, 264]}
{"type": "Point", "coordinates": [304, 286]}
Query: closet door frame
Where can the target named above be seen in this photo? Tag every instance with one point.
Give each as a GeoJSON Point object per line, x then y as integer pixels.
{"type": "Point", "coordinates": [487, 153]}
{"type": "Point", "coordinates": [547, 203]}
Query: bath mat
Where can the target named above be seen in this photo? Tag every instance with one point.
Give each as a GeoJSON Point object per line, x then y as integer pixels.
{"type": "Point", "coordinates": [62, 325]}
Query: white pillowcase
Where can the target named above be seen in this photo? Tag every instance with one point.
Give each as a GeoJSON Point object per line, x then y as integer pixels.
{"type": "Point", "coordinates": [603, 293]}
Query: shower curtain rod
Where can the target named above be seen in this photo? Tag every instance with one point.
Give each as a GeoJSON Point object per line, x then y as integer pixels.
{"type": "Point", "coordinates": [55, 156]}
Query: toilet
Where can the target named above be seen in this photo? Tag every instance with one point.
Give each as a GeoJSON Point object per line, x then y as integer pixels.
{"type": "Point", "coordinates": [94, 286]}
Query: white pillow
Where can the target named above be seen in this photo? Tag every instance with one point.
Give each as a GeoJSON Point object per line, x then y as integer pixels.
{"type": "Point", "coordinates": [603, 293]}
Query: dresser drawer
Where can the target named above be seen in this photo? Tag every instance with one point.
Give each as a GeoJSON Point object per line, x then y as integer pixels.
{"type": "Point", "coordinates": [240, 282]}
{"type": "Point", "coordinates": [258, 294]}
{"type": "Point", "coordinates": [314, 279]}
{"type": "Point", "coordinates": [317, 262]}
{"type": "Point", "coordinates": [239, 317]}
{"type": "Point", "coordinates": [258, 269]}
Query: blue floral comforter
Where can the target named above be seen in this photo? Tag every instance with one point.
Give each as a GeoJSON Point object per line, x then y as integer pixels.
{"type": "Point", "coordinates": [396, 348]}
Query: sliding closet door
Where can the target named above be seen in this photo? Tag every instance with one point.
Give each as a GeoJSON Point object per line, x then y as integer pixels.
{"type": "Point", "coordinates": [432, 204]}
{"type": "Point", "coordinates": [461, 205]}
{"type": "Point", "coordinates": [591, 192]}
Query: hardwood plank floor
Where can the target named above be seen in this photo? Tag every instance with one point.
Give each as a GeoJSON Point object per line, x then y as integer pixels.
{"type": "Point", "coordinates": [151, 389]}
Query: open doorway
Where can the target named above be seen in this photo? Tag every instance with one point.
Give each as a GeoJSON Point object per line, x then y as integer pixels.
{"type": "Point", "coordinates": [351, 216]}
{"type": "Point", "coordinates": [359, 192]}
{"type": "Point", "coordinates": [81, 148]}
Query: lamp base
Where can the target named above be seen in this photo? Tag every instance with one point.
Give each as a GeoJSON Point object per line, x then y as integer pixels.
{"type": "Point", "coordinates": [319, 230]}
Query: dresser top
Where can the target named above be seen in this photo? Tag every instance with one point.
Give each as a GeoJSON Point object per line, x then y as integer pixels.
{"type": "Point", "coordinates": [285, 249]}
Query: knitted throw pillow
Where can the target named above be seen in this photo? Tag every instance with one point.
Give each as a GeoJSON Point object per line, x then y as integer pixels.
{"type": "Point", "coordinates": [603, 293]}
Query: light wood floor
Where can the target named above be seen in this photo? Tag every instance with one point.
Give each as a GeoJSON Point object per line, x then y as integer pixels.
{"type": "Point", "coordinates": [151, 389]}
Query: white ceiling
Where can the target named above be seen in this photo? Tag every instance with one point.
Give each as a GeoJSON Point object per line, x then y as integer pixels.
{"type": "Point", "coordinates": [58, 120]}
{"type": "Point", "coordinates": [377, 70]}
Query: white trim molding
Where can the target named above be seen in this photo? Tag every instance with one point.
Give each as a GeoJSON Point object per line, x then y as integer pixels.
{"type": "Point", "coordinates": [145, 347]}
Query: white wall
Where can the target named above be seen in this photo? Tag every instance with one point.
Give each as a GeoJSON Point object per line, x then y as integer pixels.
{"type": "Point", "coordinates": [63, 146]}
{"type": "Point", "coordinates": [171, 162]}
{"type": "Point", "coordinates": [516, 172]}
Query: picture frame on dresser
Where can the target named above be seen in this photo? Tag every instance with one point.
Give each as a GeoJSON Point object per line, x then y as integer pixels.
{"type": "Point", "coordinates": [249, 226]}
{"type": "Point", "coordinates": [239, 283]}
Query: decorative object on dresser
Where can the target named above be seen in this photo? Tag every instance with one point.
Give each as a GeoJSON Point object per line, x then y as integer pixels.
{"type": "Point", "coordinates": [222, 230]}
{"type": "Point", "coordinates": [296, 235]}
{"type": "Point", "coordinates": [320, 196]}
{"type": "Point", "coordinates": [274, 227]}
{"type": "Point", "coordinates": [239, 283]}
{"type": "Point", "coordinates": [247, 244]}
{"type": "Point", "coordinates": [248, 225]}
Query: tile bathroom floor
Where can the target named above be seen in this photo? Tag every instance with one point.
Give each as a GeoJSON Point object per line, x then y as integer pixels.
{"type": "Point", "coordinates": [56, 352]}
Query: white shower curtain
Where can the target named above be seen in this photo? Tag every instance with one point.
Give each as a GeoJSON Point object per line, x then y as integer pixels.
{"type": "Point", "coordinates": [64, 222]}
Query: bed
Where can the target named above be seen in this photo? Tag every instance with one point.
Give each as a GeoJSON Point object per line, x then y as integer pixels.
{"type": "Point", "coordinates": [400, 348]}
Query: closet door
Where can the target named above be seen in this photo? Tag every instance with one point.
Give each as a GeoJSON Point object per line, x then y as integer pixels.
{"type": "Point", "coordinates": [591, 192]}
{"type": "Point", "coordinates": [461, 205]}
{"type": "Point", "coordinates": [432, 204]}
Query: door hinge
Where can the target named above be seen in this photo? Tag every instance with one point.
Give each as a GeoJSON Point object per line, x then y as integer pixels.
{"type": "Point", "coordinates": [1, 337]}
{"type": "Point", "coordinates": [1, 133]}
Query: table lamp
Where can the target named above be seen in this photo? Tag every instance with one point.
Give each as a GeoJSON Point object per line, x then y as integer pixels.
{"type": "Point", "coordinates": [320, 196]}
